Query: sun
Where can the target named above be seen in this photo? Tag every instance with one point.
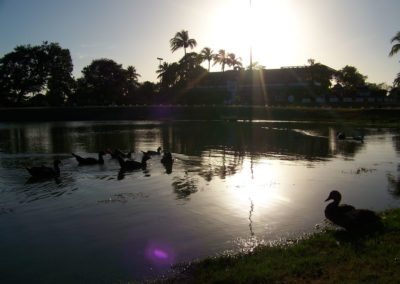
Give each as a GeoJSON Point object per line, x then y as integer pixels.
{"type": "Point", "coordinates": [267, 27]}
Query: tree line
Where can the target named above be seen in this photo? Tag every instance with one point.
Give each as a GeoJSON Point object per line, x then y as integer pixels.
{"type": "Point", "coordinates": [42, 76]}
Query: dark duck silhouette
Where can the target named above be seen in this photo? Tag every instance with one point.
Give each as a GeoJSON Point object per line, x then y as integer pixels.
{"type": "Point", "coordinates": [350, 218]}
{"type": "Point", "coordinates": [130, 165]}
{"type": "Point", "coordinates": [90, 161]}
{"type": "Point", "coordinates": [167, 161]}
{"type": "Point", "coordinates": [118, 153]}
{"type": "Point", "coordinates": [359, 138]}
{"type": "Point", "coordinates": [340, 136]}
{"type": "Point", "coordinates": [45, 172]}
{"type": "Point", "coordinates": [151, 153]}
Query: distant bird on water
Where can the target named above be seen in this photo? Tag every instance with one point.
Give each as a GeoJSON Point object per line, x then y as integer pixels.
{"type": "Point", "coordinates": [340, 136]}
{"type": "Point", "coordinates": [150, 152]}
{"type": "Point", "coordinates": [118, 153]}
{"type": "Point", "coordinates": [90, 161]}
{"type": "Point", "coordinates": [133, 165]}
{"type": "Point", "coordinates": [167, 161]}
{"type": "Point", "coordinates": [350, 218]}
{"type": "Point", "coordinates": [45, 172]}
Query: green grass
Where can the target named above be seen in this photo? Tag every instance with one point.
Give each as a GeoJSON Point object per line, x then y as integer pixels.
{"type": "Point", "coordinates": [327, 257]}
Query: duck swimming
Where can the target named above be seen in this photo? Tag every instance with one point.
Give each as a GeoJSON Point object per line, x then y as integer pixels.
{"type": "Point", "coordinates": [133, 165]}
{"type": "Point", "coordinates": [167, 158]}
{"type": "Point", "coordinates": [118, 153]}
{"type": "Point", "coordinates": [45, 172]}
{"type": "Point", "coordinates": [350, 218]}
{"type": "Point", "coordinates": [167, 162]}
{"type": "Point", "coordinates": [340, 136]}
{"type": "Point", "coordinates": [150, 152]}
{"type": "Point", "coordinates": [90, 161]}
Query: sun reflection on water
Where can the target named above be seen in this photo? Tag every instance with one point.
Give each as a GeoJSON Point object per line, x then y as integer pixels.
{"type": "Point", "coordinates": [256, 185]}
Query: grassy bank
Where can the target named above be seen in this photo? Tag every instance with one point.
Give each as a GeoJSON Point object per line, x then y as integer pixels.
{"type": "Point", "coordinates": [378, 115]}
{"type": "Point", "coordinates": [328, 257]}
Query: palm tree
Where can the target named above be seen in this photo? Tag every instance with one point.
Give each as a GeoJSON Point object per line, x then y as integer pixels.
{"type": "Point", "coordinates": [395, 47]}
{"type": "Point", "coordinates": [181, 39]}
{"type": "Point", "coordinates": [132, 76]}
{"type": "Point", "coordinates": [221, 58]}
{"type": "Point", "coordinates": [396, 81]}
{"type": "Point", "coordinates": [234, 61]}
{"type": "Point", "coordinates": [190, 61]}
{"type": "Point", "coordinates": [207, 54]}
{"type": "Point", "coordinates": [168, 74]}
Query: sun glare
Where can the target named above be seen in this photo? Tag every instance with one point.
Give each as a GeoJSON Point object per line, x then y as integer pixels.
{"type": "Point", "coordinates": [257, 183]}
{"type": "Point", "coordinates": [268, 27]}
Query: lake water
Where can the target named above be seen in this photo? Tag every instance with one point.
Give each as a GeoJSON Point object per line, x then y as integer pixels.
{"type": "Point", "coordinates": [233, 185]}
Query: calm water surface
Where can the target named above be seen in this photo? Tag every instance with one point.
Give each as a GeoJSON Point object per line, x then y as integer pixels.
{"type": "Point", "coordinates": [233, 185]}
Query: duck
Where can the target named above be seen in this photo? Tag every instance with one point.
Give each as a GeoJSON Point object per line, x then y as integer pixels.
{"type": "Point", "coordinates": [359, 138]}
{"type": "Point", "coordinates": [350, 218]}
{"type": "Point", "coordinates": [90, 161]}
{"type": "Point", "coordinates": [151, 153]}
{"type": "Point", "coordinates": [167, 158]}
{"type": "Point", "coordinates": [45, 172]}
{"type": "Point", "coordinates": [167, 161]}
{"type": "Point", "coordinates": [340, 136]}
{"type": "Point", "coordinates": [118, 153]}
{"type": "Point", "coordinates": [130, 165]}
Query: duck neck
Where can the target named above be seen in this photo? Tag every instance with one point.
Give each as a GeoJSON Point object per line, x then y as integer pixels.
{"type": "Point", "coordinates": [335, 202]}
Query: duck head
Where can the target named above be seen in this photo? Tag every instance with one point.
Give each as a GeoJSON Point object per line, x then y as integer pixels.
{"type": "Point", "coordinates": [335, 196]}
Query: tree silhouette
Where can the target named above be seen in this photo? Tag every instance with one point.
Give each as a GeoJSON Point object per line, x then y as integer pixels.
{"type": "Point", "coordinates": [29, 71]}
{"type": "Point", "coordinates": [395, 49]}
{"type": "Point", "coordinates": [208, 55]}
{"type": "Point", "coordinates": [233, 61]}
{"type": "Point", "coordinates": [168, 74]}
{"type": "Point", "coordinates": [181, 39]}
{"type": "Point", "coordinates": [132, 76]}
{"type": "Point", "coordinates": [349, 77]}
{"type": "Point", "coordinates": [105, 82]}
{"type": "Point", "coordinates": [221, 58]}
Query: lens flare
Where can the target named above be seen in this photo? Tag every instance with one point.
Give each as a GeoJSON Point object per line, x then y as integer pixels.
{"type": "Point", "coordinates": [160, 254]}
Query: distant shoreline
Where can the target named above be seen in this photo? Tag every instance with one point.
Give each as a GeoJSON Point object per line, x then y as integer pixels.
{"type": "Point", "coordinates": [173, 112]}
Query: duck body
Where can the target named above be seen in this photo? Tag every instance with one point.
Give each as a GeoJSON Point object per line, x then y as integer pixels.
{"type": "Point", "coordinates": [167, 158]}
{"type": "Point", "coordinates": [359, 138]}
{"type": "Point", "coordinates": [152, 153]}
{"type": "Point", "coordinates": [118, 153]}
{"type": "Point", "coordinates": [130, 165]}
{"type": "Point", "coordinates": [45, 172]}
{"type": "Point", "coordinates": [89, 161]}
{"type": "Point", "coordinates": [167, 162]}
{"type": "Point", "coordinates": [341, 136]}
{"type": "Point", "coordinates": [350, 218]}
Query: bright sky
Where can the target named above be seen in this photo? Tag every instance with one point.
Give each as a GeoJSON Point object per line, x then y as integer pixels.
{"type": "Point", "coordinates": [281, 32]}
